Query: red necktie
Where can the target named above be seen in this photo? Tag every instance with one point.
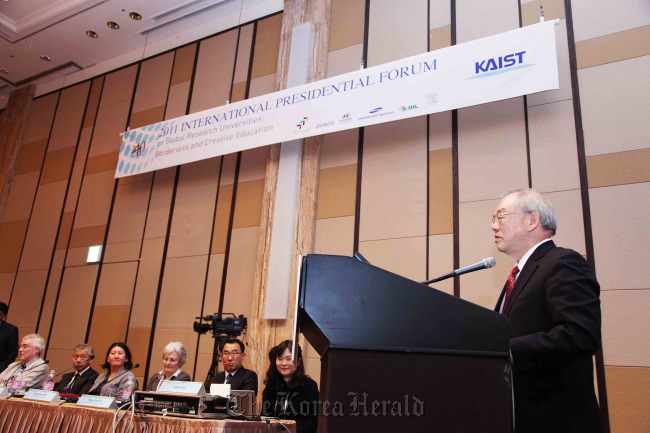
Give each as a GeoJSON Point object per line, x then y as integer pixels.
{"type": "Point", "coordinates": [510, 284]}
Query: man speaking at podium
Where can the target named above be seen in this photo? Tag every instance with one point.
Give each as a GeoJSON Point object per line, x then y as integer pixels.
{"type": "Point", "coordinates": [552, 305]}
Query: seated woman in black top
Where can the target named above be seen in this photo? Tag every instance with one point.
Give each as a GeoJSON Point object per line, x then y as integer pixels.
{"type": "Point", "coordinates": [288, 393]}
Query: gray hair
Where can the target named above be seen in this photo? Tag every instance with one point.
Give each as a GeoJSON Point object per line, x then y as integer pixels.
{"type": "Point", "coordinates": [530, 200]}
{"type": "Point", "coordinates": [37, 342]}
{"type": "Point", "coordinates": [177, 346]}
{"type": "Point", "coordinates": [88, 347]}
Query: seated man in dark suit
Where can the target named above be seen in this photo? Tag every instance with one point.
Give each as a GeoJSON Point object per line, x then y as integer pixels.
{"type": "Point", "coordinates": [8, 339]}
{"type": "Point", "coordinates": [232, 356]}
{"type": "Point", "coordinates": [82, 378]}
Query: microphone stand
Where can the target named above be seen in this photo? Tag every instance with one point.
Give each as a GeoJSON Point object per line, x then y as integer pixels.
{"type": "Point", "coordinates": [440, 278]}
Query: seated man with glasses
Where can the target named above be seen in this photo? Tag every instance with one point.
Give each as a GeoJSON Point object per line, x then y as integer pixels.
{"type": "Point", "coordinates": [232, 356]}
{"type": "Point", "coordinates": [30, 368]}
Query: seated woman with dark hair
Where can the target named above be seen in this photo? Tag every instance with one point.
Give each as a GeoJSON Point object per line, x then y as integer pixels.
{"type": "Point", "coordinates": [174, 357]}
{"type": "Point", "coordinates": [289, 393]}
{"type": "Point", "coordinates": [117, 380]}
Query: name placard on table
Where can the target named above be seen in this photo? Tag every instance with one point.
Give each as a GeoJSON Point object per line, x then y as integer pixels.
{"type": "Point", "coordinates": [51, 397]}
{"type": "Point", "coordinates": [220, 389]}
{"type": "Point", "coordinates": [97, 401]}
{"type": "Point", "coordinates": [181, 387]}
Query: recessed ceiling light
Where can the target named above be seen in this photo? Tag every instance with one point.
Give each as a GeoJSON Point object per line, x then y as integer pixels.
{"type": "Point", "coordinates": [46, 58]}
{"type": "Point", "coordinates": [92, 34]}
{"type": "Point", "coordinates": [135, 16]}
{"type": "Point", "coordinates": [4, 71]}
{"type": "Point", "coordinates": [112, 25]}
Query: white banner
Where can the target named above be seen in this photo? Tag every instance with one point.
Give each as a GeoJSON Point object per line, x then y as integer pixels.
{"type": "Point", "coordinates": [498, 67]}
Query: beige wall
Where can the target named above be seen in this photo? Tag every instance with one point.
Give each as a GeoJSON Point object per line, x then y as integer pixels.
{"type": "Point", "coordinates": [182, 241]}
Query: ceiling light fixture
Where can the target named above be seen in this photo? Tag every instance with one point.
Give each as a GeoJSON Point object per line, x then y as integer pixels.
{"type": "Point", "coordinates": [112, 25]}
{"type": "Point", "coordinates": [135, 16]}
{"type": "Point", "coordinates": [46, 58]}
{"type": "Point", "coordinates": [92, 34]}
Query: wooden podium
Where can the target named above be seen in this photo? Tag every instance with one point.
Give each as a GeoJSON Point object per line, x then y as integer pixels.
{"type": "Point", "coordinates": [398, 356]}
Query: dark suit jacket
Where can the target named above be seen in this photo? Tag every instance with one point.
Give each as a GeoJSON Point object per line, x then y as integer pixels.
{"type": "Point", "coordinates": [554, 317]}
{"type": "Point", "coordinates": [81, 384]}
{"type": "Point", "coordinates": [8, 344]}
{"type": "Point", "coordinates": [243, 379]}
{"type": "Point", "coordinates": [153, 383]}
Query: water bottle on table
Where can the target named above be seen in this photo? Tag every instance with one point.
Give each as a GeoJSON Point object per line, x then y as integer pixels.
{"type": "Point", "coordinates": [127, 390]}
{"type": "Point", "coordinates": [48, 385]}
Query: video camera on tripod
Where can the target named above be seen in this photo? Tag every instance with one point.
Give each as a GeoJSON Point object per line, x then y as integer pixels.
{"type": "Point", "coordinates": [221, 326]}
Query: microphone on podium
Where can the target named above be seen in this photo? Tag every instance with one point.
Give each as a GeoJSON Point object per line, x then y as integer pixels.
{"type": "Point", "coordinates": [486, 263]}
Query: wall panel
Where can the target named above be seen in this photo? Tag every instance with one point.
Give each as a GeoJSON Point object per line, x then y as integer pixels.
{"type": "Point", "coordinates": [628, 390]}
{"type": "Point", "coordinates": [608, 17]}
{"type": "Point", "coordinates": [214, 70]}
{"type": "Point", "coordinates": [614, 110]}
{"type": "Point", "coordinates": [619, 217]}
{"type": "Point", "coordinates": [27, 288]}
{"type": "Point", "coordinates": [552, 134]}
{"type": "Point", "coordinates": [240, 78]}
{"type": "Point", "coordinates": [194, 207]}
{"type": "Point", "coordinates": [65, 226]}
{"type": "Point", "coordinates": [625, 327]}
{"type": "Point", "coordinates": [14, 221]}
{"type": "Point", "coordinates": [179, 89]}
{"type": "Point", "coordinates": [491, 150]}
{"type": "Point", "coordinates": [393, 188]}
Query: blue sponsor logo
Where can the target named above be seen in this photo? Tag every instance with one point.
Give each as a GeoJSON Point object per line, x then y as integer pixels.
{"type": "Point", "coordinates": [499, 65]}
{"type": "Point", "coordinates": [376, 110]}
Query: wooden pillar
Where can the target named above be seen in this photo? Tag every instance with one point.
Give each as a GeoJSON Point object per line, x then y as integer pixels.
{"type": "Point", "coordinates": [264, 334]}
{"type": "Point", "coordinates": [11, 133]}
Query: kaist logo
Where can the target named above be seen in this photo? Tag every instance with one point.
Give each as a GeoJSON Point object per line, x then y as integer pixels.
{"type": "Point", "coordinates": [499, 65]}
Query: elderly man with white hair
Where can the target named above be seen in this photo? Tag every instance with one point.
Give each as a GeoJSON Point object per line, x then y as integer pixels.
{"type": "Point", "coordinates": [551, 301]}
{"type": "Point", "coordinates": [33, 369]}
{"type": "Point", "coordinates": [174, 357]}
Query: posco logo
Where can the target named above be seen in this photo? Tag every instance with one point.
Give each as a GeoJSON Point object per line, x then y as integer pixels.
{"type": "Point", "coordinates": [301, 124]}
{"type": "Point", "coordinates": [324, 125]}
{"type": "Point", "coordinates": [376, 110]}
{"type": "Point", "coordinates": [499, 65]}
